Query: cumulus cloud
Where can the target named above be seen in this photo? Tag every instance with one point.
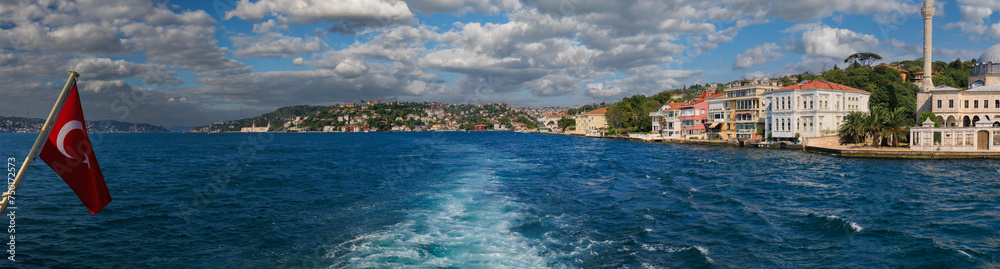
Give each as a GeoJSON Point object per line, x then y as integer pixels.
{"type": "Point", "coordinates": [383, 12]}
{"type": "Point", "coordinates": [84, 38]}
{"type": "Point", "coordinates": [757, 55]}
{"type": "Point", "coordinates": [975, 18]}
{"type": "Point", "coordinates": [274, 45]}
{"type": "Point", "coordinates": [599, 90]}
{"type": "Point", "coordinates": [825, 41]}
{"type": "Point", "coordinates": [107, 69]}
{"type": "Point", "coordinates": [462, 7]}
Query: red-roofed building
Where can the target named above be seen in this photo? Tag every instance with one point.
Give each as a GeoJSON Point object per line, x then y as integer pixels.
{"type": "Point", "coordinates": [693, 118]}
{"type": "Point", "coordinates": [592, 123]}
{"type": "Point", "coordinates": [552, 120]}
{"type": "Point", "coordinates": [666, 120]}
{"type": "Point", "coordinates": [811, 108]}
{"type": "Point", "coordinates": [902, 72]}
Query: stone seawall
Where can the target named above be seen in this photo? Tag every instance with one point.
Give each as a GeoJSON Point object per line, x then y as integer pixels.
{"type": "Point", "coordinates": [905, 154]}
{"type": "Point", "coordinates": [828, 141]}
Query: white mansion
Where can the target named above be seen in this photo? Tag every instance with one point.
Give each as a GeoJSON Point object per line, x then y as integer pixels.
{"type": "Point", "coordinates": [811, 109]}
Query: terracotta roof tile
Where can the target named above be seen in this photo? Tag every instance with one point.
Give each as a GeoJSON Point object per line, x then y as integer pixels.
{"type": "Point", "coordinates": [598, 111]}
{"type": "Point", "coordinates": [817, 84]}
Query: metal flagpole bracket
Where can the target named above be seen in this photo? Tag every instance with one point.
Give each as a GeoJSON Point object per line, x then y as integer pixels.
{"type": "Point", "coordinates": [42, 135]}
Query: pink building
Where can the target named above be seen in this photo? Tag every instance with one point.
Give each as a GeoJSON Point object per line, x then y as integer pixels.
{"type": "Point", "coordinates": [693, 118]}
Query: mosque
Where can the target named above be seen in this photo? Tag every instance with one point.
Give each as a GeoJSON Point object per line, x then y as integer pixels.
{"type": "Point", "coordinates": [966, 108]}
{"type": "Point", "coordinates": [969, 119]}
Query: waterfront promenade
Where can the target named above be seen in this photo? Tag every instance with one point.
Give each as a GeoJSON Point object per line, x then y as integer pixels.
{"type": "Point", "coordinates": [828, 145]}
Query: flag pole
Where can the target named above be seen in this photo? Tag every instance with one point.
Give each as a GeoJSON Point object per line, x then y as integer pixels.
{"type": "Point", "coordinates": [42, 135]}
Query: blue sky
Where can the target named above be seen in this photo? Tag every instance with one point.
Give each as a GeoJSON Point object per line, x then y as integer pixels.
{"type": "Point", "coordinates": [197, 62]}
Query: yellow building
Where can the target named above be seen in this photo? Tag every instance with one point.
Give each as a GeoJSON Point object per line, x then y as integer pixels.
{"type": "Point", "coordinates": [740, 114]}
{"type": "Point", "coordinates": [592, 123]}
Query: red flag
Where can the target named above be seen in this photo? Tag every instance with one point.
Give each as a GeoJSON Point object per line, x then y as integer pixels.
{"type": "Point", "coordinates": [68, 151]}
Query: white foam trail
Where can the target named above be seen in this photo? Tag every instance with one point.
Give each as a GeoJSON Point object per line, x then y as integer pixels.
{"type": "Point", "coordinates": [966, 254]}
{"type": "Point", "coordinates": [467, 225]}
{"type": "Point", "coordinates": [703, 250]}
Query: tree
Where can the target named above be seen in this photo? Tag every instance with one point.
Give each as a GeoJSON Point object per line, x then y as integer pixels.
{"type": "Point", "coordinates": [853, 128]}
{"type": "Point", "coordinates": [930, 115]}
{"type": "Point", "coordinates": [835, 75]}
{"type": "Point", "coordinates": [524, 120]}
{"type": "Point", "coordinates": [566, 122]}
{"type": "Point", "coordinates": [897, 124]}
{"type": "Point", "coordinates": [863, 58]}
{"type": "Point", "coordinates": [619, 115]}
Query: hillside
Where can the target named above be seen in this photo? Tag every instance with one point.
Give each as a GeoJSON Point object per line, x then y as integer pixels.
{"type": "Point", "coordinates": [391, 116]}
{"type": "Point", "coordinates": [33, 125]}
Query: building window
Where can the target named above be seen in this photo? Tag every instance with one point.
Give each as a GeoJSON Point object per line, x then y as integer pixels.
{"type": "Point", "coordinates": [966, 103]}
{"type": "Point", "coordinates": [939, 103]}
{"type": "Point", "coordinates": [975, 103]}
{"type": "Point", "coordinates": [951, 103]}
{"type": "Point", "coordinates": [996, 104]}
{"type": "Point", "coordinates": [986, 103]}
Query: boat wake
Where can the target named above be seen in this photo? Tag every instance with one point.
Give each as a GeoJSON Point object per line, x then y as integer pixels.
{"type": "Point", "coordinates": [462, 223]}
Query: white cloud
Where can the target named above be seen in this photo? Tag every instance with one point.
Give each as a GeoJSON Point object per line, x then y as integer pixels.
{"type": "Point", "coordinates": [84, 38]}
{"type": "Point", "coordinates": [185, 47]}
{"type": "Point", "coordinates": [599, 90]}
{"type": "Point", "coordinates": [975, 18]}
{"type": "Point", "coordinates": [274, 45]}
{"type": "Point", "coordinates": [752, 75]}
{"type": "Point", "coordinates": [107, 69]}
{"type": "Point", "coordinates": [460, 7]}
{"type": "Point", "coordinates": [268, 26]}
{"type": "Point", "coordinates": [757, 55]}
{"type": "Point", "coordinates": [824, 41]}
{"type": "Point", "coordinates": [381, 12]}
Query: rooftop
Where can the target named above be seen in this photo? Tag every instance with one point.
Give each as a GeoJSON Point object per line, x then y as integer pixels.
{"type": "Point", "coordinates": [818, 84]}
{"type": "Point", "coordinates": [600, 111]}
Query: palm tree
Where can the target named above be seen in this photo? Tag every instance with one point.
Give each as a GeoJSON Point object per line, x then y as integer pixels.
{"type": "Point", "coordinates": [853, 128]}
{"type": "Point", "coordinates": [879, 125]}
{"type": "Point", "coordinates": [898, 121]}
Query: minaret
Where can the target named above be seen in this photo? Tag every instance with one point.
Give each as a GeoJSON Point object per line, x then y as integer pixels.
{"type": "Point", "coordinates": [928, 12]}
{"type": "Point", "coordinates": [924, 96]}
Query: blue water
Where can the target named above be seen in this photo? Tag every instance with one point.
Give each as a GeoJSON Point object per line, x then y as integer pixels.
{"type": "Point", "coordinates": [500, 200]}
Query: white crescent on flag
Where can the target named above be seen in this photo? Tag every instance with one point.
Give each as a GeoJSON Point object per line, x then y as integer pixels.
{"type": "Point", "coordinates": [66, 128]}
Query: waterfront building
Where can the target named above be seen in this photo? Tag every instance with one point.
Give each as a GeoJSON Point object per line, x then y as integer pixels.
{"type": "Point", "coordinates": [969, 119]}
{"type": "Point", "coordinates": [964, 108]}
{"type": "Point", "coordinates": [592, 123]}
{"type": "Point", "coordinates": [983, 136]}
{"type": "Point", "coordinates": [666, 120]}
{"type": "Point", "coordinates": [742, 114]}
{"type": "Point", "coordinates": [255, 129]}
{"type": "Point", "coordinates": [552, 120]}
{"type": "Point", "coordinates": [693, 118]}
{"type": "Point", "coordinates": [810, 109]}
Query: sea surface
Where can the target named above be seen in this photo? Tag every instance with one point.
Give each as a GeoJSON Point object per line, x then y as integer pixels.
{"type": "Point", "coordinates": [500, 200]}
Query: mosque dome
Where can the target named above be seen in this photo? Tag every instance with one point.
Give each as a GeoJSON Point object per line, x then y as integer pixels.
{"type": "Point", "coordinates": [991, 55]}
{"type": "Point", "coordinates": [988, 63]}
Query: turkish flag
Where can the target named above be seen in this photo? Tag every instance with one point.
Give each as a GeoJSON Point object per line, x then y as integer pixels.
{"type": "Point", "coordinates": [68, 151]}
